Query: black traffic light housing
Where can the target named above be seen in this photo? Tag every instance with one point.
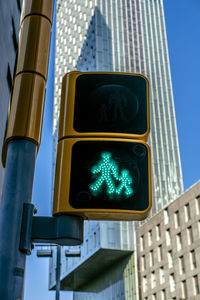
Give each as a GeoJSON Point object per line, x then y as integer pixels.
{"type": "Point", "coordinates": [104, 104]}
{"type": "Point", "coordinates": [103, 169]}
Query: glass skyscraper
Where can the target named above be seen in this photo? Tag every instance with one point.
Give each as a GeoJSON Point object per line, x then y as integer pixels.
{"type": "Point", "coordinates": [10, 12]}
{"type": "Point", "coordinates": [124, 36]}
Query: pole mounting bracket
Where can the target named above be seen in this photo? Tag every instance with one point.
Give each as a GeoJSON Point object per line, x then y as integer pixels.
{"type": "Point", "coordinates": [62, 230]}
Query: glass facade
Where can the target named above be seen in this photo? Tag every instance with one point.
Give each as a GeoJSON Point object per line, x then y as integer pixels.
{"type": "Point", "coordinates": [10, 12]}
{"type": "Point", "coordinates": [123, 36]}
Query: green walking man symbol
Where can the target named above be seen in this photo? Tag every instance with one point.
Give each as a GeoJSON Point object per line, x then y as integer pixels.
{"type": "Point", "coordinates": [108, 174]}
{"type": "Point", "coordinates": [107, 169]}
{"type": "Point", "coordinates": [126, 180]}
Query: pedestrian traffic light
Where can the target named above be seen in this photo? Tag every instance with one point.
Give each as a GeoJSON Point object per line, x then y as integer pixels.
{"type": "Point", "coordinates": [104, 104]}
{"type": "Point", "coordinates": [103, 179]}
{"type": "Point", "coordinates": [103, 168]}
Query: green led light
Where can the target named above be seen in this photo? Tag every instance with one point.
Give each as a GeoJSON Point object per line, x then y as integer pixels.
{"type": "Point", "coordinates": [126, 180]}
{"type": "Point", "coordinates": [109, 175]}
{"type": "Point", "coordinates": [107, 169]}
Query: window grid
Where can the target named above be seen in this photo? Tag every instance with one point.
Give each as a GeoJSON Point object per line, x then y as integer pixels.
{"type": "Point", "coordinates": [154, 297]}
{"type": "Point", "coordinates": [160, 254]}
{"type": "Point", "coordinates": [150, 237]}
{"type": "Point", "coordinates": [187, 212]}
{"type": "Point", "coordinates": [145, 284]}
{"type": "Point", "coordinates": [182, 264]}
{"type": "Point", "coordinates": [162, 275]}
{"type": "Point", "coordinates": [170, 259]}
{"type": "Point", "coordinates": [143, 263]}
{"type": "Point", "coordinates": [158, 232]}
{"type": "Point", "coordinates": [184, 289]}
{"type": "Point", "coordinates": [196, 285]}
{"type": "Point", "coordinates": [142, 243]}
{"type": "Point", "coordinates": [190, 235]}
{"type": "Point", "coordinates": [151, 258]}
{"type": "Point", "coordinates": [95, 239]}
{"type": "Point", "coordinates": [153, 280]}
{"type": "Point", "coordinates": [168, 237]}
{"type": "Point", "coordinates": [198, 204]}
{"type": "Point", "coordinates": [166, 216]}
{"type": "Point", "coordinates": [193, 260]}
{"type": "Point", "coordinates": [163, 295]}
{"type": "Point", "coordinates": [179, 241]}
{"type": "Point", "coordinates": [177, 219]}
{"type": "Point", "coordinates": [172, 282]}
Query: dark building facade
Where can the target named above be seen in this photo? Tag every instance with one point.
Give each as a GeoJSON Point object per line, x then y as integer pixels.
{"type": "Point", "coordinates": [10, 12]}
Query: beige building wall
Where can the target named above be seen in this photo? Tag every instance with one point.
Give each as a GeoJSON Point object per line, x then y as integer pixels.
{"type": "Point", "coordinates": [169, 250]}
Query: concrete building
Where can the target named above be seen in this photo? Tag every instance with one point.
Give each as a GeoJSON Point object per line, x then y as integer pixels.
{"type": "Point", "coordinates": [10, 12]}
{"type": "Point", "coordinates": [169, 250]}
{"type": "Point", "coordinates": [123, 36]}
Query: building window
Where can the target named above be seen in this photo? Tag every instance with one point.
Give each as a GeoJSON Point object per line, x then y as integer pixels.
{"type": "Point", "coordinates": [170, 259]}
{"type": "Point", "coordinates": [86, 246]}
{"type": "Point", "coordinates": [187, 212]}
{"type": "Point", "coordinates": [177, 219]}
{"type": "Point", "coordinates": [145, 284]}
{"type": "Point", "coordinates": [199, 227]}
{"type": "Point", "coordinates": [66, 265]}
{"type": "Point", "coordinates": [143, 263]}
{"type": "Point", "coordinates": [158, 232]}
{"type": "Point", "coordinates": [160, 255]}
{"type": "Point", "coordinates": [193, 259]}
{"type": "Point", "coordinates": [142, 245]}
{"type": "Point", "coordinates": [190, 235]}
{"type": "Point", "coordinates": [168, 237]}
{"type": "Point", "coordinates": [198, 204]}
{"type": "Point", "coordinates": [9, 78]}
{"type": "Point", "coordinates": [196, 285]}
{"type": "Point", "coordinates": [163, 295]}
{"type": "Point", "coordinates": [150, 237]}
{"type": "Point", "coordinates": [50, 277]}
{"type": "Point", "coordinates": [151, 259]}
{"type": "Point", "coordinates": [179, 241]}
{"type": "Point", "coordinates": [172, 282]}
{"type": "Point", "coordinates": [72, 260]}
{"type": "Point", "coordinates": [166, 216]}
{"type": "Point", "coordinates": [19, 5]}
{"type": "Point", "coordinates": [153, 280]}
{"type": "Point", "coordinates": [14, 36]}
{"type": "Point", "coordinates": [182, 264]}
{"type": "Point", "coordinates": [162, 275]}
{"type": "Point", "coordinates": [154, 297]}
{"type": "Point", "coordinates": [95, 239]}
{"type": "Point", "coordinates": [184, 289]}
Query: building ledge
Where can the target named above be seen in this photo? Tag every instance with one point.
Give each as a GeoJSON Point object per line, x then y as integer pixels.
{"type": "Point", "coordinates": [91, 268]}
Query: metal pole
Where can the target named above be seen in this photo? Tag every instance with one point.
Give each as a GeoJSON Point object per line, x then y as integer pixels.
{"type": "Point", "coordinates": [58, 263]}
{"type": "Point", "coordinates": [17, 190]}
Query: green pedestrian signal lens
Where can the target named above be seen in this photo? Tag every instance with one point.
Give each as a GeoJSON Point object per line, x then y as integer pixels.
{"type": "Point", "coordinates": [108, 174]}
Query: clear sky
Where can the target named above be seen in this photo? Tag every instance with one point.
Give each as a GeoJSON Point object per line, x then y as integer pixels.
{"type": "Point", "coordinates": [183, 27]}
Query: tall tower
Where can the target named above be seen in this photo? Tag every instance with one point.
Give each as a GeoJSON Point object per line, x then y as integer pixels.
{"type": "Point", "coordinates": [123, 36]}
{"type": "Point", "coordinates": [10, 12]}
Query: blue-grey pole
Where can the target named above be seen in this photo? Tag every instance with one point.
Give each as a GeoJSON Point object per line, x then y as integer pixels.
{"type": "Point", "coordinates": [58, 263]}
{"type": "Point", "coordinates": [17, 189]}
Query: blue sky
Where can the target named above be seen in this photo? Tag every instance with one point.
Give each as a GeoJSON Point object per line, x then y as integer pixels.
{"type": "Point", "coordinates": [182, 23]}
